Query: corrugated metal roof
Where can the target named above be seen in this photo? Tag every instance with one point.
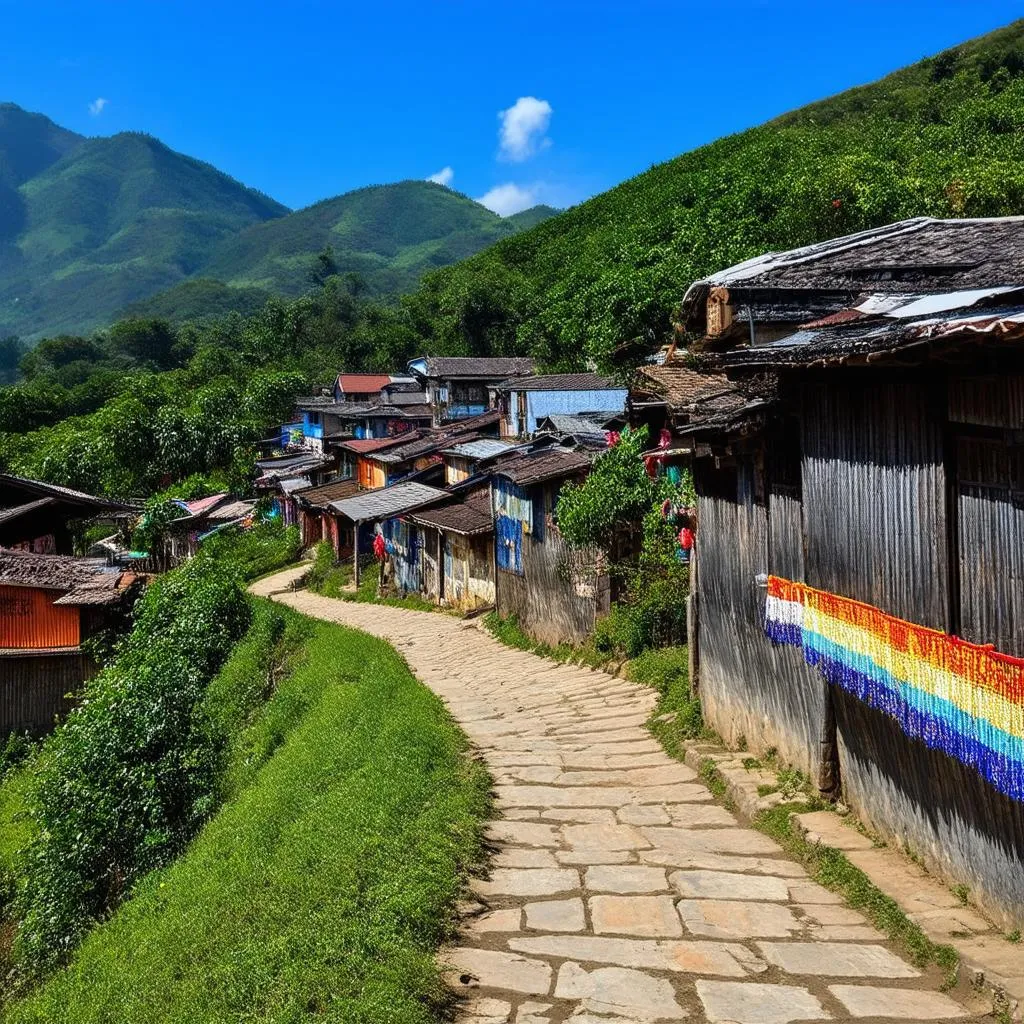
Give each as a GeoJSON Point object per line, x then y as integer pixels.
{"type": "Point", "coordinates": [927, 305]}
{"type": "Point", "coordinates": [388, 501]}
{"type": "Point", "coordinates": [87, 581]}
{"type": "Point", "coordinates": [201, 505]}
{"type": "Point", "coordinates": [295, 483]}
{"type": "Point", "coordinates": [482, 448]}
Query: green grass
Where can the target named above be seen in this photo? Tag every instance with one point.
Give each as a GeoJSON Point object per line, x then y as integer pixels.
{"type": "Point", "coordinates": [506, 628]}
{"type": "Point", "coordinates": [335, 580]}
{"type": "Point", "coordinates": [323, 887]}
{"type": "Point", "coordinates": [677, 717]}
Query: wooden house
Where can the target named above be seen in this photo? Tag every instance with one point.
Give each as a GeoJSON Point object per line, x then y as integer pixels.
{"type": "Point", "coordinates": [860, 549]}
{"type": "Point", "coordinates": [525, 401]}
{"type": "Point", "coordinates": [465, 459]}
{"type": "Point", "coordinates": [457, 551]}
{"type": "Point", "coordinates": [555, 593]}
{"type": "Point", "coordinates": [50, 604]}
{"type": "Point", "coordinates": [313, 503]}
{"type": "Point", "coordinates": [458, 387]}
{"type": "Point", "coordinates": [42, 518]}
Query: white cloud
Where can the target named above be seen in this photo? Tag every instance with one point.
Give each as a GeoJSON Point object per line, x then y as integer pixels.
{"type": "Point", "coordinates": [509, 198]}
{"type": "Point", "coordinates": [522, 128]}
{"type": "Point", "coordinates": [97, 105]}
{"type": "Point", "coordinates": [443, 176]}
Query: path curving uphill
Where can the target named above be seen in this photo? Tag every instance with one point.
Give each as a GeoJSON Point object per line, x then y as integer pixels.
{"type": "Point", "coordinates": [619, 890]}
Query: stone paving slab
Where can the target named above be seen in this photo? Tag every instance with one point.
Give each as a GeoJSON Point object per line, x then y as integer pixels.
{"type": "Point", "coordinates": [619, 891]}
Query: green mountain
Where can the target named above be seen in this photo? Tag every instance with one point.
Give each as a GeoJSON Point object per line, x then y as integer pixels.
{"type": "Point", "coordinates": [93, 228]}
{"type": "Point", "coordinates": [388, 234]}
{"type": "Point", "coordinates": [944, 137]}
{"type": "Point", "coordinates": [112, 220]}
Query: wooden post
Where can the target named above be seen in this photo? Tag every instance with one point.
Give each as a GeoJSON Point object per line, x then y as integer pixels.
{"type": "Point", "coordinates": [355, 552]}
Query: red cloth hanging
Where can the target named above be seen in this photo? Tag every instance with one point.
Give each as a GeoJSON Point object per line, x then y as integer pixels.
{"type": "Point", "coordinates": [686, 538]}
{"type": "Point", "coordinates": [379, 547]}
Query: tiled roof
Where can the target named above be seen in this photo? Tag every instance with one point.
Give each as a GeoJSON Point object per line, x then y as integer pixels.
{"type": "Point", "coordinates": [362, 383]}
{"type": "Point", "coordinates": [920, 255]}
{"type": "Point", "coordinates": [367, 445]}
{"type": "Point", "coordinates": [546, 464]}
{"type": "Point", "coordinates": [387, 501]}
{"type": "Point", "coordinates": [562, 382]}
{"type": "Point", "coordinates": [86, 581]}
{"type": "Point", "coordinates": [681, 386]}
{"type": "Point", "coordinates": [496, 367]}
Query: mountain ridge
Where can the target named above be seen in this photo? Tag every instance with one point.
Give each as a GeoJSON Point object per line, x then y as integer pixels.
{"type": "Point", "coordinates": [93, 226]}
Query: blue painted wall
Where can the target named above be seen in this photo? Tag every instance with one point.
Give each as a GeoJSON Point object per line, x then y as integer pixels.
{"type": "Point", "coordinates": [552, 403]}
{"type": "Point", "coordinates": [309, 428]}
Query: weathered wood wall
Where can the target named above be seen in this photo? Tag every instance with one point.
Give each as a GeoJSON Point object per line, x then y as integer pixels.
{"type": "Point", "coordinates": [548, 604]}
{"type": "Point", "coordinates": [749, 688]}
{"type": "Point", "coordinates": [909, 497]}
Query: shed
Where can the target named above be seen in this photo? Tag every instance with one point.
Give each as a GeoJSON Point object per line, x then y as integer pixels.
{"type": "Point", "coordinates": [458, 551]}
{"type": "Point", "coordinates": [315, 521]}
{"type": "Point", "coordinates": [50, 604]}
{"type": "Point", "coordinates": [357, 515]}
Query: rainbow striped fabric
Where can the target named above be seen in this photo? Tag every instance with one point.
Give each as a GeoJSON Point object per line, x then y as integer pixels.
{"type": "Point", "coordinates": [958, 697]}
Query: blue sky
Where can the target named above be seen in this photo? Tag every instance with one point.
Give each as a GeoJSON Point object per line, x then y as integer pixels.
{"type": "Point", "coordinates": [305, 100]}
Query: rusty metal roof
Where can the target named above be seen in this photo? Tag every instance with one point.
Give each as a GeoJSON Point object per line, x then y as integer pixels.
{"type": "Point", "coordinates": [470, 517]}
{"type": "Point", "coordinates": [320, 497]}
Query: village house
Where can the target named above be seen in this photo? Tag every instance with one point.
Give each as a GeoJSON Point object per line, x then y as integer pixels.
{"type": "Point", "coordinates": [458, 551]}
{"type": "Point", "coordinates": [200, 518]}
{"type": "Point", "coordinates": [458, 387]}
{"type": "Point", "coordinates": [379, 419]}
{"type": "Point", "coordinates": [313, 505]}
{"type": "Point", "coordinates": [524, 402]}
{"type": "Point", "coordinates": [281, 475]}
{"type": "Point", "coordinates": [43, 518]}
{"type": "Point", "coordinates": [464, 460]}
{"type": "Point", "coordinates": [50, 604]}
{"type": "Point", "coordinates": [555, 592]}
{"type": "Point", "coordinates": [358, 517]}
{"type": "Point", "coordinates": [860, 552]}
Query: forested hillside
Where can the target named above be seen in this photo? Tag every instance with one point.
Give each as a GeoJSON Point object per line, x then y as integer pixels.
{"type": "Point", "coordinates": [149, 402]}
{"type": "Point", "coordinates": [942, 138]}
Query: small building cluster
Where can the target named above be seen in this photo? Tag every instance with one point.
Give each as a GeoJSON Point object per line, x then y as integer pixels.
{"type": "Point", "coordinates": [453, 472]}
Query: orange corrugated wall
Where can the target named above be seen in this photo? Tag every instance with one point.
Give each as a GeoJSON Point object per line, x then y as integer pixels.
{"type": "Point", "coordinates": [29, 620]}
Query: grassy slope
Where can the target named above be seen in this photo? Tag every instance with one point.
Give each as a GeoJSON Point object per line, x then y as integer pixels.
{"type": "Point", "coordinates": [390, 234]}
{"type": "Point", "coordinates": [324, 884]}
{"type": "Point", "coordinates": [112, 221]}
{"type": "Point", "coordinates": [944, 137]}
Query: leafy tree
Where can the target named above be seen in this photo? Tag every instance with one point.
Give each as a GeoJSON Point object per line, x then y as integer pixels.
{"type": "Point", "coordinates": [145, 341]}
{"type": "Point", "coordinates": [324, 266]}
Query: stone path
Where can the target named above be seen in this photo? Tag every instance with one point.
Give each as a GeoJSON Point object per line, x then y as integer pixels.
{"type": "Point", "coordinates": [619, 890]}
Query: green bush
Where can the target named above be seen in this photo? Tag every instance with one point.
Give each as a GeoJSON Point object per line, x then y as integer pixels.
{"type": "Point", "coordinates": [125, 781]}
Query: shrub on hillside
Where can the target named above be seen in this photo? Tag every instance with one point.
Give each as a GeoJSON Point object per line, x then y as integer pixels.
{"type": "Point", "coordinates": [123, 784]}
